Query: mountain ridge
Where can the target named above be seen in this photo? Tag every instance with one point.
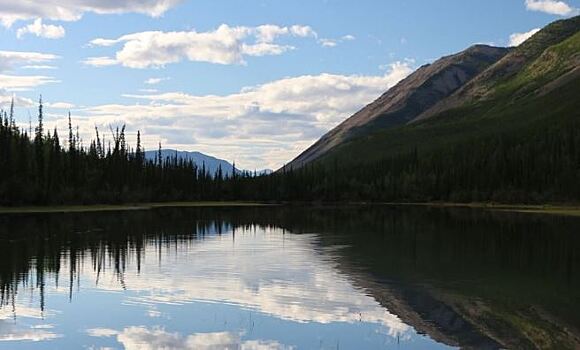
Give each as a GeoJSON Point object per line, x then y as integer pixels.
{"type": "Point", "coordinates": [406, 100]}
{"type": "Point", "coordinates": [481, 87]}
{"type": "Point", "coordinates": [546, 61]}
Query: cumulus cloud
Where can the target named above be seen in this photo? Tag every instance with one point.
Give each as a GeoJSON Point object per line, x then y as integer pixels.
{"type": "Point", "coordinates": [553, 7]}
{"type": "Point", "coordinates": [261, 126]}
{"type": "Point", "coordinates": [72, 10]}
{"type": "Point", "coordinates": [39, 29]}
{"type": "Point", "coordinates": [225, 45]}
{"type": "Point", "coordinates": [517, 39]}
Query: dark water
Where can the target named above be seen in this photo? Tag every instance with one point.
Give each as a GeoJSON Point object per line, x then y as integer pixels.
{"type": "Point", "coordinates": [283, 278]}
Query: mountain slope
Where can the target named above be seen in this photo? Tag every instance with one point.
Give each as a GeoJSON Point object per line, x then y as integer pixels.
{"type": "Point", "coordinates": [536, 84]}
{"type": "Point", "coordinates": [412, 96]}
{"type": "Point", "coordinates": [491, 81]}
{"type": "Point", "coordinates": [515, 138]}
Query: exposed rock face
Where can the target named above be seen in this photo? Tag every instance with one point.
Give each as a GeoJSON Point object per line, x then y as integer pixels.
{"type": "Point", "coordinates": [408, 99]}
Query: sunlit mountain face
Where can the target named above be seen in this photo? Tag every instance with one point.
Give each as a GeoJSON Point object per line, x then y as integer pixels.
{"type": "Point", "coordinates": [279, 278]}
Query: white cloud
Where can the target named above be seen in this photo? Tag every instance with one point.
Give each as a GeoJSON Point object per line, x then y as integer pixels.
{"type": "Point", "coordinates": [39, 29]}
{"type": "Point", "coordinates": [286, 283]}
{"type": "Point", "coordinates": [328, 42]}
{"type": "Point", "coordinates": [261, 126]}
{"type": "Point", "coordinates": [10, 332]}
{"type": "Point", "coordinates": [303, 31]}
{"type": "Point", "coordinates": [24, 82]}
{"type": "Point", "coordinates": [72, 10]}
{"type": "Point", "coordinates": [11, 59]}
{"type": "Point", "coordinates": [6, 98]}
{"type": "Point", "coordinates": [518, 38]}
{"type": "Point", "coordinates": [225, 45]}
{"type": "Point", "coordinates": [100, 61]}
{"type": "Point", "coordinates": [154, 81]}
{"type": "Point", "coordinates": [553, 7]}
{"type": "Point", "coordinates": [60, 105]}
{"type": "Point", "coordinates": [143, 338]}
{"type": "Point", "coordinates": [37, 66]}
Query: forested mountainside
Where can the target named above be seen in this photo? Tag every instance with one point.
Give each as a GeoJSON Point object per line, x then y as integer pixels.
{"type": "Point", "coordinates": [512, 133]}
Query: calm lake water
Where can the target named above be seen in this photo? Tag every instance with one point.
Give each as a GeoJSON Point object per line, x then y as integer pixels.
{"type": "Point", "coordinates": [289, 278]}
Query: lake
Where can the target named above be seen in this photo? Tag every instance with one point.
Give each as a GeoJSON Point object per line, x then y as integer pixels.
{"type": "Point", "coordinates": [348, 277]}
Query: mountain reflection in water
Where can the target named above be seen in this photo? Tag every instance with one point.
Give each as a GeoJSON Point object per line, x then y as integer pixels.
{"type": "Point", "coordinates": [345, 277]}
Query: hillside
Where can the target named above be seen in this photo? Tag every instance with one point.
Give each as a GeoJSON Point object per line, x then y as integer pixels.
{"type": "Point", "coordinates": [542, 91]}
{"type": "Point", "coordinates": [510, 134]}
{"type": "Point", "coordinates": [549, 65]}
{"type": "Point", "coordinates": [408, 99]}
{"type": "Point", "coordinates": [475, 78]}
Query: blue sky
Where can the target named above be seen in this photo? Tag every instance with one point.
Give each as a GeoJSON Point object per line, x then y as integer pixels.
{"type": "Point", "coordinates": [251, 81]}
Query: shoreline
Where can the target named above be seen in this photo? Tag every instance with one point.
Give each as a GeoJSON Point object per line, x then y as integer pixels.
{"type": "Point", "coordinates": [547, 209]}
{"type": "Point", "coordinates": [122, 207]}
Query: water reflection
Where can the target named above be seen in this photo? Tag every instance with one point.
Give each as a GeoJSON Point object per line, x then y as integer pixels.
{"type": "Point", "coordinates": [270, 278]}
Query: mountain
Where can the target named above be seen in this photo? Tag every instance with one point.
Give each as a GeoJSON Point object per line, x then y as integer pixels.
{"type": "Point", "coordinates": [409, 98]}
{"type": "Point", "coordinates": [549, 63]}
{"type": "Point", "coordinates": [211, 163]}
{"type": "Point", "coordinates": [478, 83]}
{"type": "Point", "coordinates": [510, 133]}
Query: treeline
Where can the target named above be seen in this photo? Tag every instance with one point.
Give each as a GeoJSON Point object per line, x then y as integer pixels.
{"type": "Point", "coordinates": [36, 168]}
{"type": "Point", "coordinates": [537, 165]}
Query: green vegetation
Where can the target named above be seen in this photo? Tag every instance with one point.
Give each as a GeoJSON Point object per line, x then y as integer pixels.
{"type": "Point", "coordinates": [38, 170]}
{"type": "Point", "coordinates": [520, 143]}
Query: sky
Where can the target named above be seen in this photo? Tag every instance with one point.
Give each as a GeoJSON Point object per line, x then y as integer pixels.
{"type": "Point", "coordinates": [252, 81]}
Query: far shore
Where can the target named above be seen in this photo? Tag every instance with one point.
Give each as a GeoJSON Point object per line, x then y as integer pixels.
{"type": "Point", "coordinates": [549, 209]}
{"type": "Point", "coordinates": [121, 207]}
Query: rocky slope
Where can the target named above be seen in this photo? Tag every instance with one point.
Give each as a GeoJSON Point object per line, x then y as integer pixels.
{"type": "Point", "coordinates": [532, 57]}
{"type": "Point", "coordinates": [408, 99]}
{"type": "Point", "coordinates": [479, 81]}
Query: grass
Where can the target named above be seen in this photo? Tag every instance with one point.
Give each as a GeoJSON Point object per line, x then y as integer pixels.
{"type": "Point", "coordinates": [121, 207]}
{"type": "Point", "coordinates": [561, 210]}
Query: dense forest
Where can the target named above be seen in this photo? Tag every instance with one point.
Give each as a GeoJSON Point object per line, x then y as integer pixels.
{"type": "Point", "coordinates": [37, 168]}
{"type": "Point", "coordinates": [538, 164]}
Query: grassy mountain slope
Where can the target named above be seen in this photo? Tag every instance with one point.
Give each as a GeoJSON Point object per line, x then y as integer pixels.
{"type": "Point", "coordinates": [508, 70]}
